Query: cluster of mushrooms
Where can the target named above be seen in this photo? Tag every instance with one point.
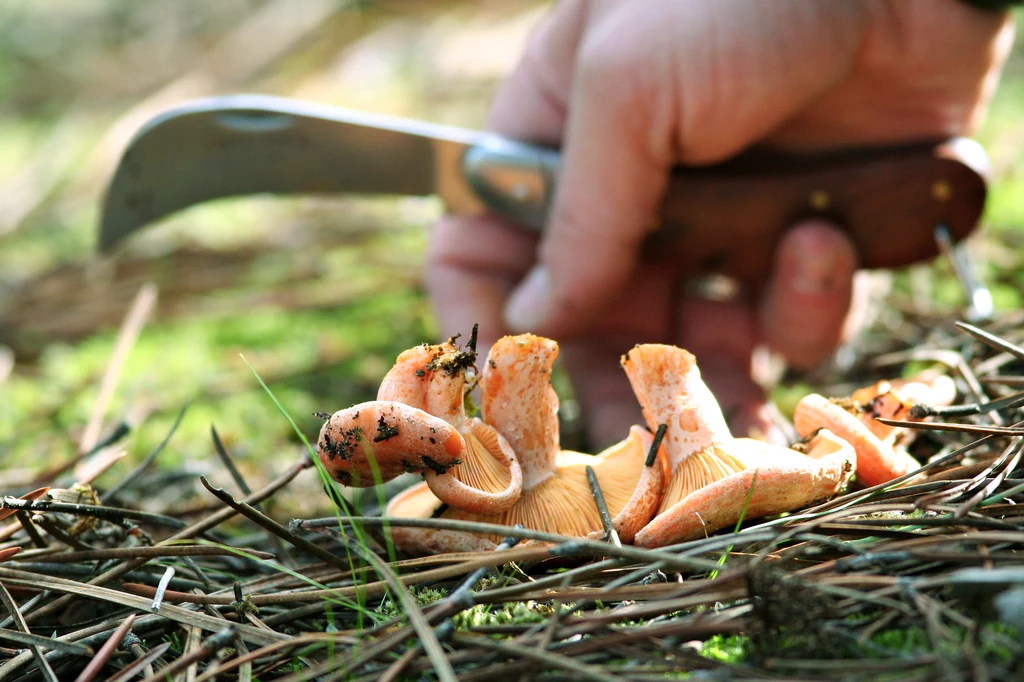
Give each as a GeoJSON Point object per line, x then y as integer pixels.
{"type": "Point", "coordinates": [505, 466]}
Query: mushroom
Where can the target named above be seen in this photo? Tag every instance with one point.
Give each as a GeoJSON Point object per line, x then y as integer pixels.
{"type": "Point", "coordinates": [419, 423]}
{"type": "Point", "coordinates": [716, 478]}
{"type": "Point", "coordinates": [881, 449]}
{"type": "Point", "coordinates": [896, 398]}
{"type": "Point", "coordinates": [518, 400]}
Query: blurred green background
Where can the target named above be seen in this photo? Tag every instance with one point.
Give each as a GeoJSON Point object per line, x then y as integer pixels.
{"type": "Point", "coordinates": [319, 295]}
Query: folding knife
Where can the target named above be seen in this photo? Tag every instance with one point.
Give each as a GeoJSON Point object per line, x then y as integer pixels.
{"type": "Point", "coordinates": [723, 218]}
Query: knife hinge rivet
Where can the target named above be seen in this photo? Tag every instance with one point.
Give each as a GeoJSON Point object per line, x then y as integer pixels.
{"type": "Point", "coordinates": [819, 200]}
{"type": "Point", "coordinates": [942, 190]}
{"type": "Point", "coordinates": [521, 191]}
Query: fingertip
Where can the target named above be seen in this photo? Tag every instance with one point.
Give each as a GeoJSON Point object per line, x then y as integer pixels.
{"type": "Point", "coordinates": [815, 258]}
{"type": "Point", "coordinates": [808, 299]}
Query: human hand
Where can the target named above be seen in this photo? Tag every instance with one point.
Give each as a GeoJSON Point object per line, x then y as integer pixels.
{"type": "Point", "coordinates": [631, 89]}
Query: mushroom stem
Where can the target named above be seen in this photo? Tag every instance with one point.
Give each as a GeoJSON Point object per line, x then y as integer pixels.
{"type": "Point", "coordinates": [391, 436]}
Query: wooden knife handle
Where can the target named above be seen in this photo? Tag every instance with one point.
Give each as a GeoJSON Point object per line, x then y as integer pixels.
{"type": "Point", "coordinates": [728, 218]}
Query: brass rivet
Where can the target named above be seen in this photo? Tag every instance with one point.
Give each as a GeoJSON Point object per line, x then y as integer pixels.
{"type": "Point", "coordinates": [819, 200]}
{"type": "Point", "coordinates": [942, 190]}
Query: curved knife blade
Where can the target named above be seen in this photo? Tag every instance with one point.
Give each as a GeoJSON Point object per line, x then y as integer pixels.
{"type": "Point", "coordinates": [237, 145]}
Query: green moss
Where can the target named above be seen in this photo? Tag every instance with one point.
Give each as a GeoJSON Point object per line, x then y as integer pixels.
{"type": "Point", "coordinates": [391, 607]}
{"type": "Point", "coordinates": [483, 615]}
{"type": "Point", "coordinates": [903, 641]}
{"type": "Point", "coordinates": [731, 649]}
{"type": "Point", "coordinates": [315, 359]}
{"type": "Point", "coordinates": [993, 644]}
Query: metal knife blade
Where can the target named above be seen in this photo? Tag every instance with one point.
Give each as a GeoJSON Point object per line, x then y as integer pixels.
{"type": "Point", "coordinates": [722, 218]}
{"type": "Point", "coordinates": [237, 145]}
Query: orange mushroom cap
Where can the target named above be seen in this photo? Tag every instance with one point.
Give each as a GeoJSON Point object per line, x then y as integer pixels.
{"type": "Point", "coordinates": [517, 398]}
{"type": "Point", "coordinates": [712, 473]}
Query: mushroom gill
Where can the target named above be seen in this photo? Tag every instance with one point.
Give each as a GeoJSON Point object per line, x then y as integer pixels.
{"type": "Point", "coordinates": [486, 466]}
{"type": "Point", "coordinates": [717, 479]}
{"type": "Point", "coordinates": [563, 503]}
{"type": "Point", "coordinates": [699, 470]}
{"type": "Point", "coordinates": [517, 398]}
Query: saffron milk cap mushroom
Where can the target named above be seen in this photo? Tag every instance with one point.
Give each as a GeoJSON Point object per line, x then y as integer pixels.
{"type": "Point", "coordinates": [488, 478]}
{"type": "Point", "coordinates": [715, 478]}
{"type": "Point", "coordinates": [518, 400]}
{"type": "Point", "coordinates": [896, 398]}
{"type": "Point", "coordinates": [419, 424]}
{"type": "Point", "coordinates": [881, 448]}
